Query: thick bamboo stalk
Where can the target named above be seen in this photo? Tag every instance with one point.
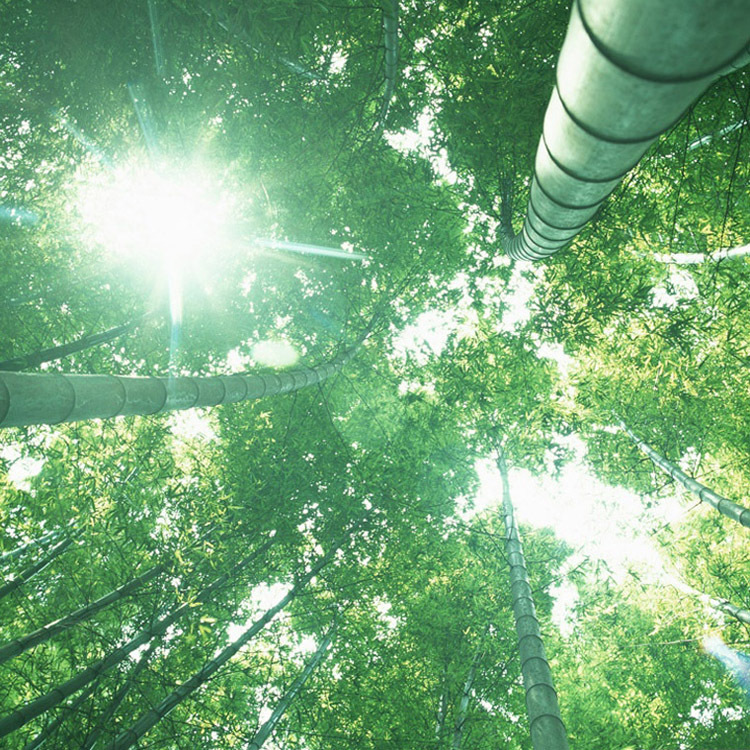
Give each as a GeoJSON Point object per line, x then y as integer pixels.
{"type": "Point", "coordinates": [31, 571]}
{"type": "Point", "coordinates": [24, 714]}
{"type": "Point", "coordinates": [134, 733]}
{"type": "Point", "coordinates": [24, 642]}
{"type": "Point", "coordinates": [627, 71]}
{"type": "Point", "coordinates": [270, 725]}
{"type": "Point", "coordinates": [726, 507]}
{"type": "Point", "coordinates": [31, 398]}
{"type": "Point", "coordinates": [34, 359]}
{"type": "Point", "coordinates": [545, 723]}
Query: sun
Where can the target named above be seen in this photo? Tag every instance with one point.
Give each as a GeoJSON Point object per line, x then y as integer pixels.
{"type": "Point", "coordinates": [165, 216]}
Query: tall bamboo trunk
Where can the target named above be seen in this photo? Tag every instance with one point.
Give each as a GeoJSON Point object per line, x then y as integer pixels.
{"type": "Point", "coordinates": [31, 571]}
{"type": "Point", "coordinates": [545, 723]}
{"type": "Point", "coordinates": [270, 725]}
{"type": "Point", "coordinates": [725, 506]}
{"type": "Point", "coordinates": [34, 359]}
{"type": "Point", "coordinates": [24, 714]}
{"type": "Point", "coordinates": [627, 71]}
{"type": "Point", "coordinates": [31, 398]}
{"type": "Point", "coordinates": [19, 645]}
{"type": "Point", "coordinates": [134, 733]}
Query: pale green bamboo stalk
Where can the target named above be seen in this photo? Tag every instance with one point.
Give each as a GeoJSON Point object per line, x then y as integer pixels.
{"type": "Point", "coordinates": [740, 614]}
{"type": "Point", "coordinates": [41, 541]}
{"type": "Point", "coordinates": [134, 733]}
{"type": "Point", "coordinates": [685, 259]}
{"type": "Point", "coordinates": [31, 398]}
{"type": "Point", "coordinates": [627, 71]}
{"type": "Point", "coordinates": [726, 507]}
{"type": "Point", "coordinates": [270, 725]}
{"type": "Point", "coordinates": [545, 723]}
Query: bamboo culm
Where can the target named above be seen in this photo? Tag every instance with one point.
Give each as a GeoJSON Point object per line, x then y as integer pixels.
{"type": "Point", "coordinates": [463, 706]}
{"type": "Point", "coordinates": [24, 714]}
{"type": "Point", "coordinates": [90, 742]}
{"type": "Point", "coordinates": [390, 40]}
{"type": "Point", "coordinates": [30, 572]}
{"type": "Point", "coordinates": [41, 541]}
{"type": "Point", "coordinates": [545, 723]}
{"type": "Point", "coordinates": [34, 359]}
{"type": "Point", "coordinates": [41, 398]}
{"type": "Point", "coordinates": [618, 88]}
{"type": "Point", "coordinates": [21, 644]}
{"type": "Point", "coordinates": [726, 507]}
{"type": "Point", "coordinates": [133, 734]}
{"type": "Point", "coordinates": [268, 727]}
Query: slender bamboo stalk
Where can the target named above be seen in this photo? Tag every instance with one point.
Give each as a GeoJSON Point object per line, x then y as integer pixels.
{"type": "Point", "coordinates": [31, 398]}
{"type": "Point", "coordinates": [34, 359]}
{"type": "Point", "coordinates": [463, 706]}
{"type": "Point", "coordinates": [743, 615]}
{"type": "Point", "coordinates": [134, 733]}
{"type": "Point", "coordinates": [390, 40]}
{"type": "Point", "coordinates": [270, 725]}
{"type": "Point", "coordinates": [685, 259]}
{"type": "Point", "coordinates": [41, 541]}
{"type": "Point", "coordinates": [705, 139]}
{"type": "Point", "coordinates": [91, 739]}
{"type": "Point", "coordinates": [24, 642]}
{"type": "Point", "coordinates": [545, 723]}
{"type": "Point", "coordinates": [65, 713]}
{"type": "Point", "coordinates": [31, 571]}
{"type": "Point", "coordinates": [726, 507]}
{"type": "Point", "coordinates": [24, 714]}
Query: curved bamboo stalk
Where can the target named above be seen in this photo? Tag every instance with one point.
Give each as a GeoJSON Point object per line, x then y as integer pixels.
{"type": "Point", "coordinates": [134, 733]}
{"type": "Point", "coordinates": [545, 723]}
{"type": "Point", "coordinates": [268, 726]}
{"type": "Point", "coordinates": [726, 507]}
{"type": "Point", "coordinates": [34, 359]}
{"type": "Point", "coordinates": [627, 71]}
{"type": "Point", "coordinates": [31, 398]}
{"type": "Point", "coordinates": [21, 716]}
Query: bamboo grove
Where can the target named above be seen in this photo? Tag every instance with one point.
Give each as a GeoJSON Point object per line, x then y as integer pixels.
{"type": "Point", "coordinates": [277, 377]}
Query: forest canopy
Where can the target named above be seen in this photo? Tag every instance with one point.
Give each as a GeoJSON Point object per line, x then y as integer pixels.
{"type": "Point", "coordinates": [312, 312]}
